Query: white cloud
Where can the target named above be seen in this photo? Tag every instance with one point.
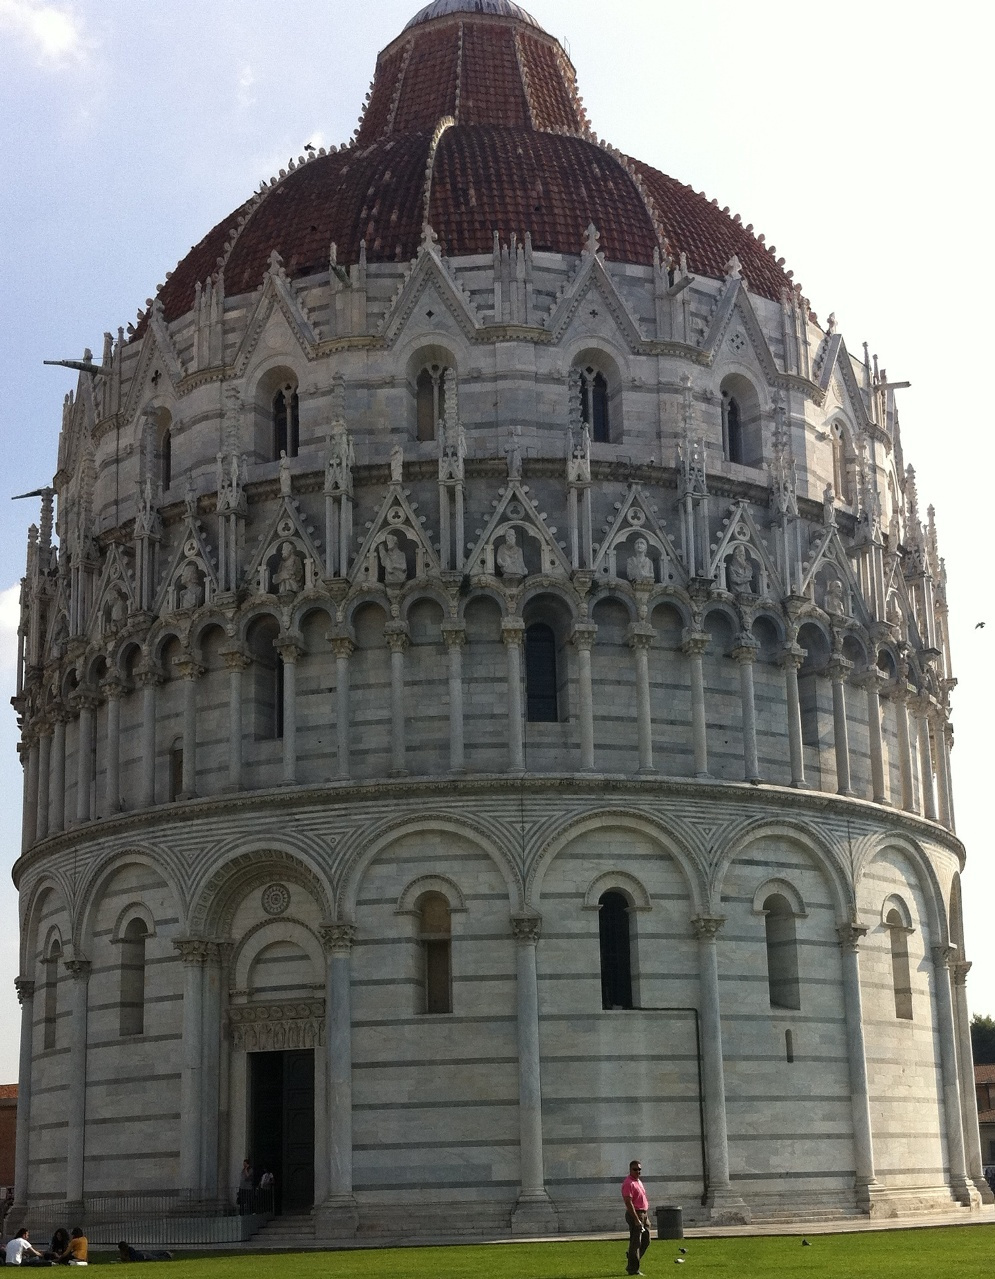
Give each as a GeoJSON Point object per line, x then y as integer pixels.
{"type": "Point", "coordinates": [10, 616]}
{"type": "Point", "coordinates": [52, 31]}
{"type": "Point", "coordinates": [246, 83]}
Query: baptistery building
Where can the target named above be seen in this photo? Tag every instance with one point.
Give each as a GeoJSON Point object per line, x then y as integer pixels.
{"type": "Point", "coordinates": [484, 698]}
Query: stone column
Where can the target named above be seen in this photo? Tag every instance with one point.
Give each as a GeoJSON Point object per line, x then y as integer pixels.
{"type": "Point", "coordinates": [923, 708]}
{"type": "Point", "coordinates": [937, 723]}
{"type": "Point", "coordinates": [791, 658]}
{"type": "Point", "coordinates": [745, 654]}
{"type": "Point", "coordinates": [44, 779]}
{"type": "Point", "coordinates": [58, 785]}
{"type": "Point", "coordinates": [237, 661]}
{"type": "Point", "coordinates": [959, 1186]}
{"type": "Point", "coordinates": [190, 672]}
{"type": "Point", "coordinates": [533, 1213]}
{"type": "Point", "coordinates": [838, 670]}
{"type": "Point", "coordinates": [641, 636]}
{"type": "Point", "coordinates": [723, 1203]}
{"type": "Point", "coordinates": [582, 639]}
{"type": "Point", "coordinates": [343, 647]}
{"type": "Point", "coordinates": [290, 651]}
{"type": "Point", "coordinates": [338, 1216]}
{"type": "Point", "coordinates": [965, 1074]}
{"type": "Point", "coordinates": [694, 645]}
{"type": "Point", "coordinates": [870, 682]}
{"type": "Point", "coordinates": [194, 953]}
{"type": "Point", "coordinates": [454, 635]}
{"type": "Point", "coordinates": [30, 808]}
{"type": "Point", "coordinates": [149, 679]}
{"type": "Point", "coordinates": [900, 697]}
{"type": "Point", "coordinates": [86, 703]}
{"type": "Point", "coordinates": [866, 1183]}
{"type": "Point", "coordinates": [26, 996]}
{"type": "Point", "coordinates": [113, 690]}
{"type": "Point", "coordinates": [211, 1079]}
{"type": "Point", "coordinates": [397, 637]}
{"type": "Point", "coordinates": [948, 735]}
{"type": "Point", "coordinates": [79, 969]}
{"type": "Point", "coordinates": [513, 635]}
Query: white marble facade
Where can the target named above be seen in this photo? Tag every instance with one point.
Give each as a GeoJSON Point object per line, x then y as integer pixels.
{"type": "Point", "coordinates": [267, 706]}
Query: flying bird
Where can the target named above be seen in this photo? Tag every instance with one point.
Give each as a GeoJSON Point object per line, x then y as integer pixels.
{"type": "Point", "coordinates": [979, 626]}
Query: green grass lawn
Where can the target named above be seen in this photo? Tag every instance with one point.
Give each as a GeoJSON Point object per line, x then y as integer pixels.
{"type": "Point", "coordinates": [958, 1252]}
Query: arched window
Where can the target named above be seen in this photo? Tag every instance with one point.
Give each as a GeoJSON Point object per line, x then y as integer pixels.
{"type": "Point", "coordinates": [267, 680]}
{"type": "Point", "coordinates": [52, 963]}
{"type": "Point", "coordinates": [616, 950]}
{"type": "Point", "coordinates": [166, 459]}
{"type": "Point", "coordinates": [782, 953]}
{"type": "Point", "coordinates": [901, 976]}
{"type": "Point", "coordinates": [594, 404]}
{"type": "Point", "coordinates": [286, 423]}
{"type": "Point", "coordinates": [732, 430]}
{"type": "Point", "coordinates": [540, 674]}
{"type": "Point", "coordinates": [133, 978]}
{"type": "Point", "coordinates": [841, 476]}
{"type": "Point", "coordinates": [435, 938]}
{"type": "Point", "coordinates": [176, 770]}
{"type": "Point", "coordinates": [430, 390]}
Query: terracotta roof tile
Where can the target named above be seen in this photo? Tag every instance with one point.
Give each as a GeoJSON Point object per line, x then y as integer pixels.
{"type": "Point", "coordinates": [984, 1073]}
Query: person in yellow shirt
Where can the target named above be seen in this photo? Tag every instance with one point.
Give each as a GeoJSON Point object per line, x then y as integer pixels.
{"type": "Point", "coordinates": [76, 1253]}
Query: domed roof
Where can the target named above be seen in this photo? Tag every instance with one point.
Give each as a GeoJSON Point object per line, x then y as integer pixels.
{"type": "Point", "coordinates": [476, 127]}
{"type": "Point", "coordinates": [496, 8]}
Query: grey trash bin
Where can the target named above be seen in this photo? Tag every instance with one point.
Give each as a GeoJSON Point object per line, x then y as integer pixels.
{"type": "Point", "coordinates": [670, 1223]}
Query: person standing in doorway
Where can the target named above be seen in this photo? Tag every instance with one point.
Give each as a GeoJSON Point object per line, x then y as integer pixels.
{"type": "Point", "coordinates": [636, 1217]}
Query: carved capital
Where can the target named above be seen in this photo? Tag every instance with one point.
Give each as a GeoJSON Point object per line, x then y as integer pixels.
{"type": "Point", "coordinates": [745, 649]}
{"type": "Point", "coordinates": [869, 679]}
{"type": "Point", "coordinates": [512, 630]}
{"type": "Point", "coordinates": [943, 956]}
{"type": "Point", "coordinates": [337, 939]}
{"type": "Point", "coordinates": [84, 699]}
{"type": "Point", "coordinates": [694, 643]}
{"type": "Point", "coordinates": [25, 988]}
{"type": "Point", "coordinates": [79, 969]}
{"type": "Point", "coordinates": [150, 676]}
{"type": "Point", "coordinates": [236, 659]}
{"type": "Point", "coordinates": [791, 655]}
{"type": "Point", "coordinates": [959, 970]}
{"type": "Point", "coordinates": [640, 635]}
{"type": "Point", "coordinates": [838, 668]}
{"type": "Point", "coordinates": [342, 646]}
{"type": "Point", "coordinates": [706, 927]}
{"type": "Point", "coordinates": [290, 648]}
{"type": "Point", "coordinates": [114, 687]}
{"type": "Point", "coordinates": [196, 950]}
{"type": "Point", "coordinates": [454, 633]}
{"type": "Point", "coordinates": [397, 635]}
{"type": "Point", "coordinates": [583, 635]}
{"type": "Point", "coordinates": [188, 668]}
{"type": "Point", "coordinates": [851, 935]}
{"type": "Point", "coordinates": [526, 928]}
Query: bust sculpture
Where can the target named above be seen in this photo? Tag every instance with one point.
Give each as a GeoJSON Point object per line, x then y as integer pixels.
{"type": "Point", "coordinates": [509, 557]}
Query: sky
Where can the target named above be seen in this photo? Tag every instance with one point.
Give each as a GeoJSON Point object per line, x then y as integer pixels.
{"type": "Point", "coordinates": [856, 137]}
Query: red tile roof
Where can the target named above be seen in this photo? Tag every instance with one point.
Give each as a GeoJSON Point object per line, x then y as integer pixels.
{"type": "Point", "coordinates": [519, 159]}
{"type": "Point", "coordinates": [984, 1074]}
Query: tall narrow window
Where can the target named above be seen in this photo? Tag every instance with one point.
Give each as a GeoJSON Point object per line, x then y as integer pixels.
{"type": "Point", "coordinates": [540, 674]}
{"type": "Point", "coordinates": [900, 974]}
{"type": "Point", "coordinates": [841, 477]}
{"type": "Point", "coordinates": [267, 680]}
{"type": "Point", "coordinates": [435, 937]}
{"type": "Point", "coordinates": [732, 430]}
{"type": "Point", "coordinates": [430, 391]}
{"type": "Point", "coordinates": [175, 771]}
{"type": "Point", "coordinates": [782, 953]}
{"type": "Point", "coordinates": [52, 994]}
{"type": "Point", "coordinates": [616, 950]}
{"type": "Point", "coordinates": [133, 978]}
{"type": "Point", "coordinates": [166, 459]}
{"type": "Point", "coordinates": [594, 404]}
{"type": "Point", "coordinates": [286, 423]}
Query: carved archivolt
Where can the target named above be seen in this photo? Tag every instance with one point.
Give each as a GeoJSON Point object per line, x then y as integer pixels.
{"type": "Point", "coordinates": [277, 1027]}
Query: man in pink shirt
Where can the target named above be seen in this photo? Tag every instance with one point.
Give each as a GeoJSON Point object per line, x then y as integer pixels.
{"type": "Point", "coordinates": [636, 1216]}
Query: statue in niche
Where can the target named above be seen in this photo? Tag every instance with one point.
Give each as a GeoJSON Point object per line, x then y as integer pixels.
{"type": "Point", "coordinates": [394, 561]}
{"type": "Point", "coordinates": [640, 566]}
{"type": "Point", "coordinates": [397, 465]}
{"type": "Point", "coordinates": [341, 460]}
{"type": "Point", "coordinates": [894, 610]}
{"type": "Point", "coordinates": [119, 609]}
{"type": "Point", "coordinates": [579, 462]}
{"type": "Point", "coordinates": [514, 451]}
{"type": "Point", "coordinates": [191, 592]}
{"type": "Point", "coordinates": [289, 576]}
{"type": "Point", "coordinates": [286, 487]}
{"type": "Point", "coordinates": [835, 601]}
{"type": "Point", "coordinates": [509, 557]}
{"type": "Point", "coordinates": [739, 572]}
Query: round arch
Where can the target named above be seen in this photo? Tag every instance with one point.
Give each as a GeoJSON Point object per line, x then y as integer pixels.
{"type": "Point", "coordinates": [873, 846]}
{"type": "Point", "coordinates": [161, 860]}
{"type": "Point", "coordinates": [740, 838]}
{"type": "Point", "coordinates": [216, 897]}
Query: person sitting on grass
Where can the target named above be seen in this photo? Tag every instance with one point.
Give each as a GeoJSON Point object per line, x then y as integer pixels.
{"type": "Point", "coordinates": [75, 1253]}
{"type": "Point", "coordinates": [60, 1242]}
{"type": "Point", "coordinates": [127, 1253]}
{"type": "Point", "coordinates": [21, 1253]}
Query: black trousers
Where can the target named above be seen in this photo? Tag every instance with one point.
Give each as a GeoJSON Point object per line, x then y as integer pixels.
{"type": "Point", "coordinates": [639, 1239]}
